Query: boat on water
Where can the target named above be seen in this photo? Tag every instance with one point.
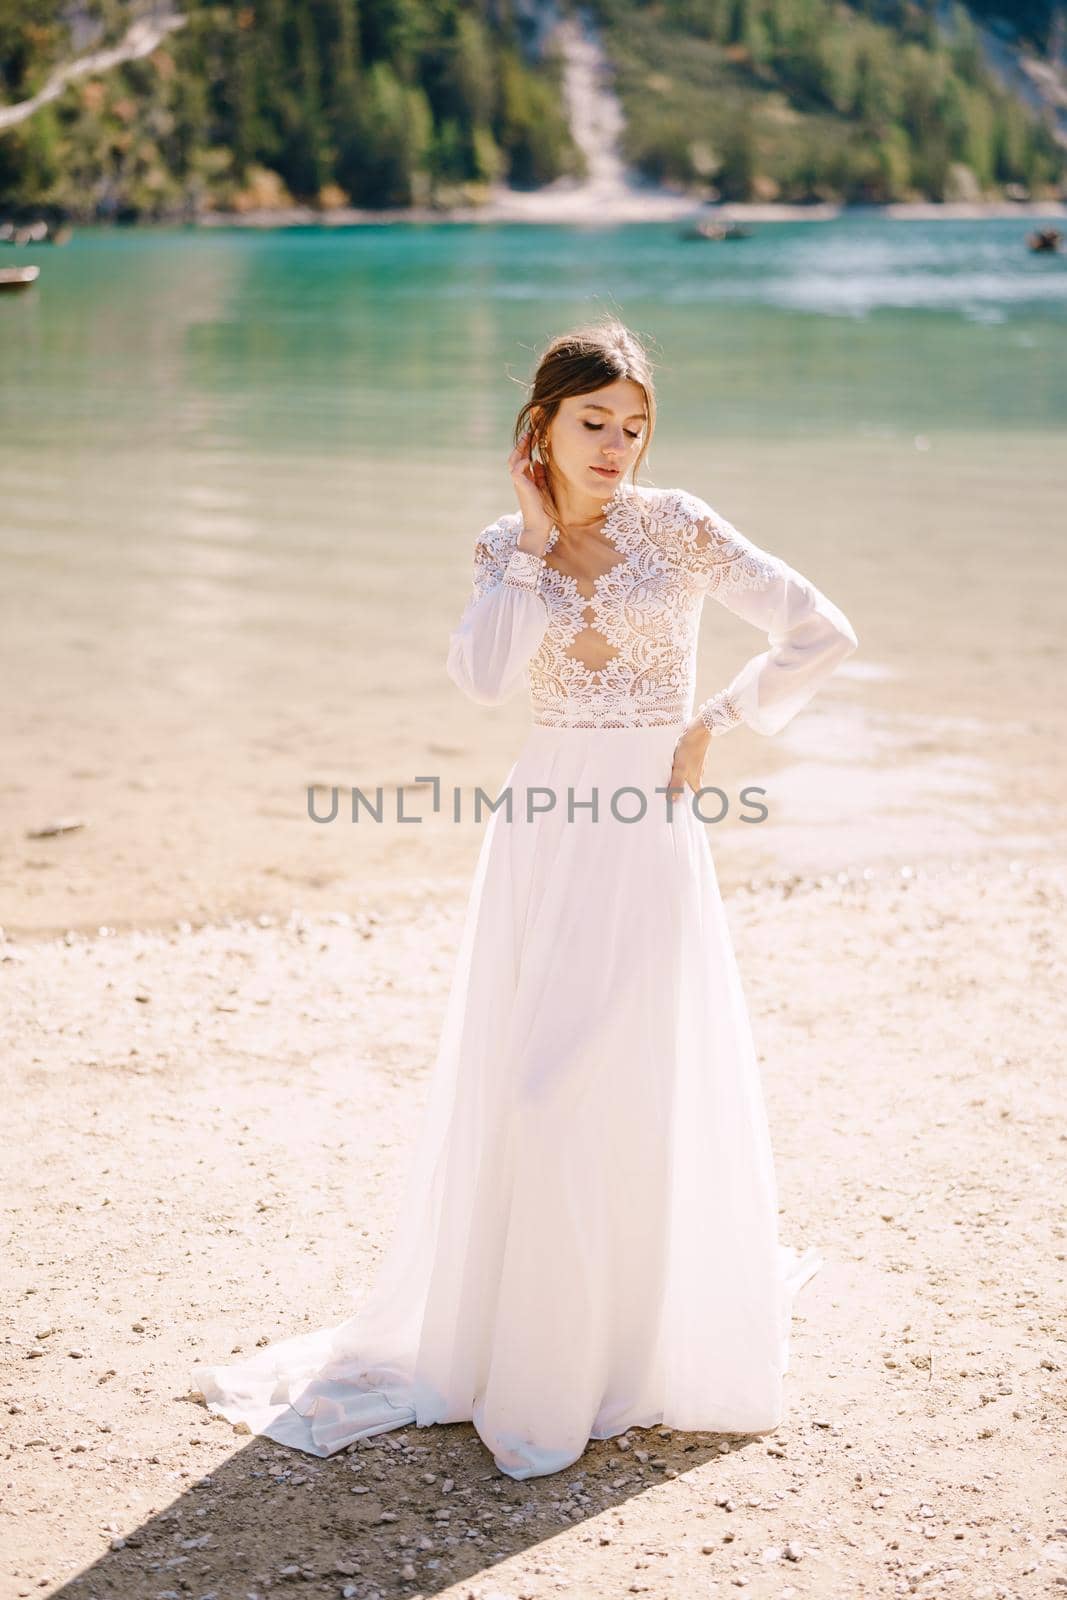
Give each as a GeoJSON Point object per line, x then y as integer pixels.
{"type": "Point", "coordinates": [39, 232]}
{"type": "Point", "coordinates": [18, 277]}
{"type": "Point", "coordinates": [715, 231]}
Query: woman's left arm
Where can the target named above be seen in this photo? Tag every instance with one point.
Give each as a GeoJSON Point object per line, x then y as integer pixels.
{"type": "Point", "coordinates": [807, 635]}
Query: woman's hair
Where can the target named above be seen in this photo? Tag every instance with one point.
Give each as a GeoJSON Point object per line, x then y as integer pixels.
{"type": "Point", "coordinates": [577, 362]}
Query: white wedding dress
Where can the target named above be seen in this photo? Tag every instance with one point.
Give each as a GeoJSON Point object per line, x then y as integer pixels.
{"type": "Point", "coordinates": [588, 1237]}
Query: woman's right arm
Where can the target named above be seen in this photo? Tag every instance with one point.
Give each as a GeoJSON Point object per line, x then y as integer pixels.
{"type": "Point", "coordinates": [504, 619]}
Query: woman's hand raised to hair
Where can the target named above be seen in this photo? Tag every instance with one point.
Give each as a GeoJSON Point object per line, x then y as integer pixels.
{"type": "Point", "coordinates": [530, 482]}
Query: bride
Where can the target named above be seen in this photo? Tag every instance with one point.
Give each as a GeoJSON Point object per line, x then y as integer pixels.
{"type": "Point", "coordinates": [588, 1236]}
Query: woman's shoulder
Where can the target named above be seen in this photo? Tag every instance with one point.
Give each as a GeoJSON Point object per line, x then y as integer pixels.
{"type": "Point", "coordinates": [677, 507]}
{"type": "Point", "coordinates": [681, 520]}
{"type": "Point", "coordinates": [499, 537]}
{"type": "Point", "coordinates": [708, 543]}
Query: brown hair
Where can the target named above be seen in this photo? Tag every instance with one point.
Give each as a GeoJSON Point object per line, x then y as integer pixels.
{"type": "Point", "coordinates": [577, 362]}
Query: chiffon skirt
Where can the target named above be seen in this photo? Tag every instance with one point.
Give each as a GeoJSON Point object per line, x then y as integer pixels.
{"type": "Point", "coordinates": [588, 1236]}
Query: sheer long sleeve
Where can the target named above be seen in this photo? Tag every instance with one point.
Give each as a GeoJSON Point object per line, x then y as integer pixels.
{"type": "Point", "coordinates": [808, 636]}
{"type": "Point", "coordinates": [505, 617]}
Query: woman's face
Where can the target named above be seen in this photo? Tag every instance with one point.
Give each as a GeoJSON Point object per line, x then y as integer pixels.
{"type": "Point", "coordinates": [602, 429]}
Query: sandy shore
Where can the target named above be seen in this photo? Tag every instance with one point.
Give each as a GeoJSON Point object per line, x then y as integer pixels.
{"type": "Point", "coordinates": [205, 1135]}
{"type": "Point", "coordinates": [573, 205]}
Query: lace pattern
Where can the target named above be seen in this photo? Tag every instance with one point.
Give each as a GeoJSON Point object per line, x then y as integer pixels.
{"type": "Point", "coordinates": [643, 615]}
{"type": "Point", "coordinates": [523, 569]}
{"type": "Point", "coordinates": [719, 713]}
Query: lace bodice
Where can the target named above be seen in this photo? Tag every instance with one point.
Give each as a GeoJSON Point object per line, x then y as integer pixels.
{"type": "Point", "coordinates": [620, 650]}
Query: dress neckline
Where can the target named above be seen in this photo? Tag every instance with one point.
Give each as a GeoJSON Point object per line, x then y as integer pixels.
{"type": "Point", "coordinates": [619, 496]}
{"type": "Point", "coordinates": [624, 495]}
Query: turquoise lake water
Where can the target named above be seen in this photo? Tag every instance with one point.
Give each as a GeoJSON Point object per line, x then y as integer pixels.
{"type": "Point", "coordinates": [388, 338]}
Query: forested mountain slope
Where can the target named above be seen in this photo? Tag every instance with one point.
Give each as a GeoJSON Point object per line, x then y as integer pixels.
{"type": "Point", "coordinates": [805, 100]}
{"type": "Point", "coordinates": [390, 103]}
